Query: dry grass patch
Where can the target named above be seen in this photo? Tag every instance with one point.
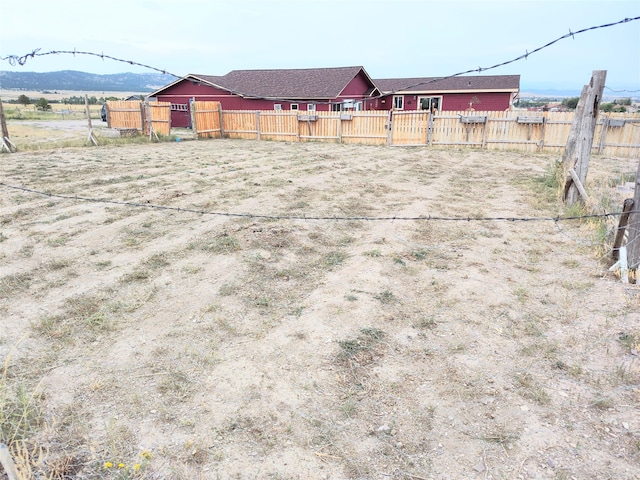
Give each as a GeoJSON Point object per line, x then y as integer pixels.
{"type": "Point", "coordinates": [241, 347]}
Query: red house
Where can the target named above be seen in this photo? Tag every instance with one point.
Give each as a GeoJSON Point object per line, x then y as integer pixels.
{"type": "Point", "coordinates": [311, 89]}
{"type": "Point", "coordinates": [486, 93]}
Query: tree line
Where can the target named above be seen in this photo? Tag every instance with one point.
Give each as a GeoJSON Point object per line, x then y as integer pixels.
{"type": "Point", "coordinates": [44, 105]}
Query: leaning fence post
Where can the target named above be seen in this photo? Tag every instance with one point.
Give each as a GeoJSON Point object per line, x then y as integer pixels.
{"type": "Point", "coordinates": [580, 141]}
{"type": "Point", "coordinates": [622, 225]}
{"type": "Point", "coordinates": [6, 142]}
{"type": "Point", "coordinates": [633, 240]}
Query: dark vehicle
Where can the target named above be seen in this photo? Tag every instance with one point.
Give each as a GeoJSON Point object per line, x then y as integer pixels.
{"type": "Point", "coordinates": [103, 112]}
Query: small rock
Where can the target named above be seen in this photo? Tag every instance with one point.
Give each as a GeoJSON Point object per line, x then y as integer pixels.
{"type": "Point", "coordinates": [625, 425]}
{"type": "Point", "coordinates": [384, 429]}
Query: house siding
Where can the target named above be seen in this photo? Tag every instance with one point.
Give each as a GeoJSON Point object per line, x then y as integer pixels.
{"type": "Point", "coordinates": [182, 92]}
{"type": "Point", "coordinates": [488, 101]}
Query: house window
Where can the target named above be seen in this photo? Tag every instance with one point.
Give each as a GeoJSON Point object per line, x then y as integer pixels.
{"type": "Point", "coordinates": [429, 103]}
{"type": "Point", "coordinates": [294, 106]}
{"type": "Point", "coordinates": [178, 107]}
{"type": "Point", "coordinates": [336, 107]}
{"type": "Point", "coordinates": [311, 107]}
{"type": "Point", "coordinates": [277, 106]}
{"type": "Point", "coordinates": [358, 106]}
{"type": "Point", "coordinates": [398, 102]}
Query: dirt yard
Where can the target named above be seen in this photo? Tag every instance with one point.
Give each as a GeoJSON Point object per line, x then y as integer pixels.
{"type": "Point", "coordinates": [142, 342]}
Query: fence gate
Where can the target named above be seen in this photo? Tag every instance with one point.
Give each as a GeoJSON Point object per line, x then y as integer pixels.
{"type": "Point", "coordinates": [206, 119]}
{"type": "Point", "coordinates": [137, 116]}
{"type": "Point", "coordinates": [158, 114]}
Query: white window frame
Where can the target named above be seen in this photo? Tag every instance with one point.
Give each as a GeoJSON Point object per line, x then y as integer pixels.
{"type": "Point", "coordinates": [294, 106]}
{"type": "Point", "coordinates": [277, 106]}
{"type": "Point", "coordinates": [430, 97]}
{"type": "Point", "coordinates": [311, 107]}
{"type": "Point", "coordinates": [398, 99]}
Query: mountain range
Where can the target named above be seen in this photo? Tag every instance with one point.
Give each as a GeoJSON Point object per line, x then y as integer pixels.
{"type": "Point", "coordinates": [148, 82]}
{"type": "Point", "coordinates": [82, 81]}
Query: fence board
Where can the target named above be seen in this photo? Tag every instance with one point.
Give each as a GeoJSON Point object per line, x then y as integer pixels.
{"type": "Point", "coordinates": [124, 115]}
{"type": "Point", "coordinates": [409, 128]}
{"type": "Point", "coordinates": [617, 134]}
{"type": "Point", "coordinates": [160, 113]}
{"type": "Point", "coordinates": [206, 119]}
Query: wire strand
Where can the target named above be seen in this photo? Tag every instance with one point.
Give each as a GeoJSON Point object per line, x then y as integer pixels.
{"type": "Point", "coordinates": [311, 217]}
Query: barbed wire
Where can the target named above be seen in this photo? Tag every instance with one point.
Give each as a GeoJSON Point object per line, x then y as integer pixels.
{"type": "Point", "coordinates": [80, 198]}
{"type": "Point", "coordinates": [621, 91]}
{"type": "Point", "coordinates": [526, 55]}
{"type": "Point", "coordinates": [22, 60]}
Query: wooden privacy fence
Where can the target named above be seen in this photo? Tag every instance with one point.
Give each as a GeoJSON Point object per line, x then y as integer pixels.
{"type": "Point", "coordinates": [136, 115]}
{"type": "Point", "coordinates": [617, 134]}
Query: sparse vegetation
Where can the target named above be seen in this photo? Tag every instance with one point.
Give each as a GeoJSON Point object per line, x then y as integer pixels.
{"type": "Point", "coordinates": [140, 343]}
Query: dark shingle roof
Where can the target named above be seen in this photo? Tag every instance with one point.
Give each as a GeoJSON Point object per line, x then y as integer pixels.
{"type": "Point", "coordinates": [430, 84]}
{"type": "Point", "coordinates": [321, 83]}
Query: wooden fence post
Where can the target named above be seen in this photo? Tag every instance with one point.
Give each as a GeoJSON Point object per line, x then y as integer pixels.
{"type": "Point", "coordinates": [567, 155]}
{"type": "Point", "coordinates": [389, 126]}
{"type": "Point", "coordinates": [580, 142]}
{"type": "Point", "coordinates": [92, 138]}
{"type": "Point", "coordinates": [220, 114]}
{"type": "Point", "coordinates": [142, 119]}
{"type": "Point", "coordinates": [6, 142]}
{"type": "Point", "coordinates": [430, 129]}
{"type": "Point", "coordinates": [622, 225]}
{"type": "Point", "coordinates": [259, 135]}
{"type": "Point", "coordinates": [603, 134]}
{"type": "Point", "coordinates": [147, 112]}
{"type": "Point", "coordinates": [484, 132]}
{"type": "Point", "coordinates": [544, 127]}
{"type": "Point", "coordinates": [192, 112]}
{"type": "Point", "coordinates": [633, 240]}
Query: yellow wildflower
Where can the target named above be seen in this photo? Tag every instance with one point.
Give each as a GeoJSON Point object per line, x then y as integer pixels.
{"type": "Point", "coordinates": [121, 465]}
{"type": "Point", "coordinates": [108, 464]}
{"type": "Point", "coordinates": [146, 454]}
{"type": "Point", "coordinates": [136, 467]}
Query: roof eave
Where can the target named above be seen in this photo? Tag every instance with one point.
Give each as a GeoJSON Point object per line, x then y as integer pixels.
{"type": "Point", "coordinates": [478, 90]}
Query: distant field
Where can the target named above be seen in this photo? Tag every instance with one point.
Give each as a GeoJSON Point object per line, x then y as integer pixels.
{"type": "Point", "coordinates": [8, 95]}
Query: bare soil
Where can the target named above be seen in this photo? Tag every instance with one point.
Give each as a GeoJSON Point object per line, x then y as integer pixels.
{"type": "Point", "coordinates": [251, 347]}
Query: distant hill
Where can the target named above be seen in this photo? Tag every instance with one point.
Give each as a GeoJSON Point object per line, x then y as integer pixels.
{"type": "Point", "coordinates": [82, 81]}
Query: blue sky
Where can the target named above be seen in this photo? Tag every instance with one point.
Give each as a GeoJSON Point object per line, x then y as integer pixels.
{"type": "Point", "coordinates": [390, 38]}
